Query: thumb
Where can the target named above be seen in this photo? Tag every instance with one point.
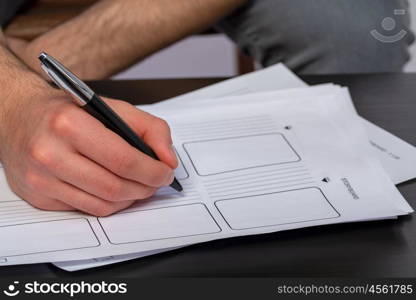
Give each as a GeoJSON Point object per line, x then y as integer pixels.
{"type": "Point", "coordinates": [158, 137]}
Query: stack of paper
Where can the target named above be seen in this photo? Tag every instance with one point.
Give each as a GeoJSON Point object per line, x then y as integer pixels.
{"type": "Point", "coordinates": [258, 154]}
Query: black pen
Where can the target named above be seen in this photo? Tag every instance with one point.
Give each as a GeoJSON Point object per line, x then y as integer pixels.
{"type": "Point", "coordinates": [91, 102]}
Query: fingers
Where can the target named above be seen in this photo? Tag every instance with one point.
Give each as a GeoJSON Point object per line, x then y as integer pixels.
{"type": "Point", "coordinates": [70, 197]}
{"type": "Point", "coordinates": [46, 203]}
{"type": "Point", "coordinates": [96, 180]}
{"type": "Point", "coordinates": [74, 162]}
{"type": "Point", "coordinates": [88, 203]}
{"type": "Point", "coordinates": [25, 191]}
{"type": "Point", "coordinates": [119, 157]}
{"type": "Point", "coordinates": [109, 150]}
{"type": "Point", "coordinates": [154, 131]}
{"type": "Point", "coordinates": [159, 139]}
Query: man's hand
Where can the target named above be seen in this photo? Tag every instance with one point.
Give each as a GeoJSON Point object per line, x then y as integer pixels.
{"type": "Point", "coordinates": [58, 157]}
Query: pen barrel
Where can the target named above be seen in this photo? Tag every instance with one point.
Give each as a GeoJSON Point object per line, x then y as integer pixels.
{"type": "Point", "coordinates": [96, 107]}
{"type": "Point", "coordinates": [101, 111]}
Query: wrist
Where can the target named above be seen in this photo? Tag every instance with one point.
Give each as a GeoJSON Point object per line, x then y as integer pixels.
{"type": "Point", "coordinates": [19, 83]}
{"type": "Point", "coordinates": [25, 93]}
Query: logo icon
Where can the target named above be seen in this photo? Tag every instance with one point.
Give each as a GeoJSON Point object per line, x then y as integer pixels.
{"type": "Point", "coordinates": [389, 24]}
{"type": "Point", "coordinates": [11, 290]}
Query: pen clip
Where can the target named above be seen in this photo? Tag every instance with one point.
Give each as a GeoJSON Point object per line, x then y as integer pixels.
{"type": "Point", "coordinates": [54, 78]}
{"type": "Point", "coordinates": [66, 80]}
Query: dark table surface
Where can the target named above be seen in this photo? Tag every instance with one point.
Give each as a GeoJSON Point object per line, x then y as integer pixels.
{"type": "Point", "coordinates": [365, 249]}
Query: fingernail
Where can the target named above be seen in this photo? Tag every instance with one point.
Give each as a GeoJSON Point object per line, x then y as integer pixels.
{"type": "Point", "coordinates": [170, 178]}
{"type": "Point", "coordinates": [173, 153]}
{"type": "Point", "coordinates": [172, 150]}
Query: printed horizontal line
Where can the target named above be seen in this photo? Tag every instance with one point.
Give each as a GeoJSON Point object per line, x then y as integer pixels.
{"type": "Point", "coordinates": [19, 220]}
{"type": "Point", "coordinates": [177, 199]}
{"type": "Point", "coordinates": [263, 180]}
{"type": "Point", "coordinates": [260, 178]}
{"type": "Point", "coordinates": [173, 198]}
{"type": "Point", "coordinates": [175, 194]}
{"type": "Point", "coordinates": [17, 212]}
{"type": "Point", "coordinates": [7, 211]}
{"type": "Point", "coordinates": [14, 204]}
{"type": "Point", "coordinates": [249, 192]}
{"type": "Point", "coordinates": [29, 214]}
{"type": "Point", "coordinates": [224, 121]}
{"type": "Point", "coordinates": [219, 128]}
{"type": "Point", "coordinates": [271, 172]}
{"type": "Point", "coordinates": [260, 185]}
{"type": "Point", "coordinates": [226, 133]}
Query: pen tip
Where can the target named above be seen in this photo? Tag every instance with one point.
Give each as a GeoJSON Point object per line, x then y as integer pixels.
{"type": "Point", "coordinates": [176, 185]}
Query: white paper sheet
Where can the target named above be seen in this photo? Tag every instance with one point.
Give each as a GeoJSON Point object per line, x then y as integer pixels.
{"type": "Point", "coordinates": [261, 80]}
{"type": "Point", "coordinates": [77, 265]}
{"type": "Point", "coordinates": [276, 77]}
{"type": "Point", "coordinates": [216, 202]}
{"type": "Point", "coordinates": [395, 155]}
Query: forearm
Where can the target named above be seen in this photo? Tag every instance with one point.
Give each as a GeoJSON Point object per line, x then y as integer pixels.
{"type": "Point", "coordinates": [113, 34]}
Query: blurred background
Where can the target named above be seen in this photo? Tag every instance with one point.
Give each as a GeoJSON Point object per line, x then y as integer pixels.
{"type": "Point", "coordinates": [411, 66]}
{"type": "Point", "coordinates": [202, 55]}
{"type": "Point", "coordinates": [211, 55]}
